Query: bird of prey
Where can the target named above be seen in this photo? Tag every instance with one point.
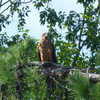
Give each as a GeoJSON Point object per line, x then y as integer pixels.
{"type": "Point", "coordinates": [46, 52]}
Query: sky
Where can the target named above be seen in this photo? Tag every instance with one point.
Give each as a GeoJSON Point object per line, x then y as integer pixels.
{"type": "Point", "coordinates": [32, 22]}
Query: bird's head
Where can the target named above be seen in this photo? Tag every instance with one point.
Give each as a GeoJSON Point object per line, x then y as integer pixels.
{"type": "Point", "coordinates": [45, 35]}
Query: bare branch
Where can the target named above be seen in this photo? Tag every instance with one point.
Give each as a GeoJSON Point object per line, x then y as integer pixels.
{"type": "Point", "coordinates": [57, 71]}
{"type": "Point", "coordinates": [5, 9]}
{"type": "Point", "coordinates": [94, 78]}
{"type": "Point", "coordinates": [4, 3]}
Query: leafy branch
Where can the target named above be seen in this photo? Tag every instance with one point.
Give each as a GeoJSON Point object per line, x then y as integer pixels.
{"type": "Point", "coordinates": [12, 4]}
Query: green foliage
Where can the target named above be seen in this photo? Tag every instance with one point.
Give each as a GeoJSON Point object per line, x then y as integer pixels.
{"type": "Point", "coordinates": [81, 30]}
{"type": "Point", "coordinates": [95, 92]}
{"type": "Point", "coordinates": [78, 85]}
{"type": "Point", "coordinates": [15, 7]}
{"type": "Point", "coordinates": [7, 78]}
{"type": "Point", "coordinates": [35, 85]}
{"type": "Point", "coordinates": [4, 20]}
{"type": "Point", "coordinates": [84, 2]}
{"type": "Point", "coordinates": [97, 59]}
{"type": "Point", "coordinates": [20, 54]}
{"type": "Point", "coordinates": [51, 17]}
{"type": "Point", "coordinates": [40, 3]}
{"type": "Point", "coordinates": [24, 51]}
{"type": "Point", "coordinates": [6, 41]}
{"type": "Point", "coordinates": [81, 88]}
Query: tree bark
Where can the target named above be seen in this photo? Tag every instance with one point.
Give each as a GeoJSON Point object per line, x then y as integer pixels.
{"type": "Point", "coordinates": [57, 70]}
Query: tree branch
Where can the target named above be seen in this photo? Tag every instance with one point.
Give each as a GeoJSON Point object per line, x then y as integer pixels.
{"type": "Point", "coordinates": [79, 44]}
{"type": "Point", "coordinates": [5, 9]}
{"type": "Point", "coordinates": [82, 27]}
{"type": "Point", "coordinates": [57, 71]}
{"type": "Point", "coordinates": [4, 3]}
{"type": "Point", "coordinates": [13, 3]}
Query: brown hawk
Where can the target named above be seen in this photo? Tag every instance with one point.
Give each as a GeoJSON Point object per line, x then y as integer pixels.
{"type": "Point", "coordinates": [46, 52]}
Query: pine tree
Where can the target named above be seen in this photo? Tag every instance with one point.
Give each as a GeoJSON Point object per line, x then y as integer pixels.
{"type": "Point", "coordinates": [17, 81]}
{"type": "Point", "coordinates": [81, 88]}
